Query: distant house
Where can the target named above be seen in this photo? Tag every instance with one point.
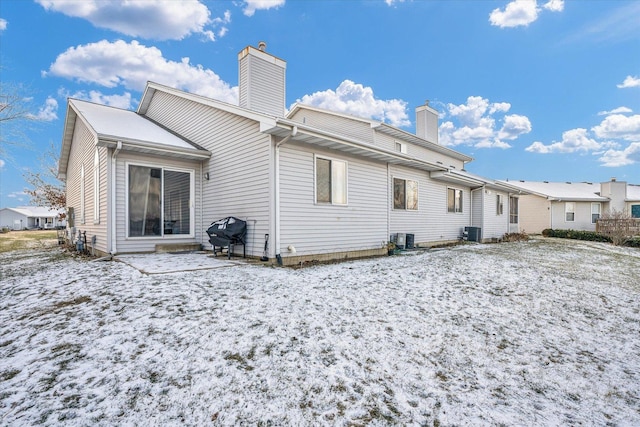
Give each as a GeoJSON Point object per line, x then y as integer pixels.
{"type": "Point", "coordinates": [321, 184]}
{"type": "Point", "coordinates": [30, 217]}
{"type": "Point", "coordinates": [573, 205]}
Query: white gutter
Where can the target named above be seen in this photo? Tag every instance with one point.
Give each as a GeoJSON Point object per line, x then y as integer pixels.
{"type": "Point", "coordinates": [112, 204]}
{"type": "Point", "coordinates": [276, 240]}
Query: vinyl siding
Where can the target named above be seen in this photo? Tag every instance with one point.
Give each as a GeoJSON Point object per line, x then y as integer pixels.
{"type": "Point", "coordinates": [126, 244]}
{"type": "Point", "coordinates": [239, 169]}
{"type": "Point", "coordinates": [432, 222]}
{"type": "Point", "coordinates": [495, 226]}
{"type": "Point", "coordinates": [262, 85]}
{"type": "Point", "coordinates": [534, 214]}
{"type": "Point", "coordinates": [389, 143]}
{"type": "Point", "coordinates": [352, 128]}
{"type": "Point", "coordinates": [477, 206]}
{"type": "Point", "coordinates": [582, 217]}
{"type": "Point", "coordinates": [83, 154]}
{"type": "Point", "coordinates": [318, 228]}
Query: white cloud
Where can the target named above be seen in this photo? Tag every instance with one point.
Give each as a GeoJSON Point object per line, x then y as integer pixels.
{"type": "Point", "coordinates": [514, 125]}
{"type": "Point", "coordinates": [616, 158]}
{"type": "Point", "coordinates": [358, 100]}
{"type": "Point", "coordinates": [119, 101]}
{"type": "Point", "coordinates": [48, 112]}
{"type": "Point", "coordinates": [574, 140]}
{"type": "Point", "coordinates": [392, 2]}
{"type": "Point", "coordinates": [477, 124]}
{"type": "Point", "coordinates": [2, 163]}
{"type": "Point", "coordinates": [161, 20]}
{"type": "Point", "coordinates": [554, 5]}
{"type": "Point", "coordinates": [253, 5]}
{"type": "Point", "coordinates": [3, 24]}
{"type": "Point", "coordinates": [617, 126]}
{"type": "Point", "coordinates": [522, 12]}
{"type": "Point", "coordinates": [630, 81]}
{"type": "Point", "coordinates": [131, 65]}
{"type": "Point", "coordinates": [619, 110]}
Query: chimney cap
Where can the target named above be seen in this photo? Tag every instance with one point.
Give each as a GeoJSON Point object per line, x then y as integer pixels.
{"type": "Point", "coordinates": [613, 179]}
{"type": "Point", "coordinates": [262, 46]}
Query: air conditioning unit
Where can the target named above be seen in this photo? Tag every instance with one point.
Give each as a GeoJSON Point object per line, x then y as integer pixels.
{"type": "Point", "coordinates": [401, 241]}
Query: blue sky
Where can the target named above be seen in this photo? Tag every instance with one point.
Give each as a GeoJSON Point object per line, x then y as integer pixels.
{"type": "Point", "coordinates": [533, 90]}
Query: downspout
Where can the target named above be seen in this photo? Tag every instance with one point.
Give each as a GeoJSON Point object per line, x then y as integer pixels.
{"type": "Point", "coordinates": [276, 240]}
{"type": "Point", "coordinates": [201, 199]}
{"type": "Point", "coordinates": [112, 203]}
{"type": "Point", "coordinates": [389, 204]}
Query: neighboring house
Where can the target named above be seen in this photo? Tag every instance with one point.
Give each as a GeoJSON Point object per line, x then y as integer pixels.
{"type": "Point", "coordinates": [323, 185]}
{"type": "Point", "coordinates": [577, 205]}
{"type": "Point", "coordinates": [30, 217]}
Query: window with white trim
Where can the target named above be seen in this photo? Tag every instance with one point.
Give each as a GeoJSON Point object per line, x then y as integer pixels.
{"type": "Point", "coordinates": [596, 208]}
{"type": "Point", "coordinates": [159, 201]}
{"type": "Point", "coordinates": [569, 211]}
{"type": "Point", "coordinates": [499, 204]}
{"type": "Point", "coordinates": [96, 188]}
{"type": "Point", "coordinates": [331, 181]}
{"type": "Point", "coordinates": [405, 194]}
{"type": "Point", "coordinates": [454, 200]}
{"type": "Point", "coordinates": [401, 147]}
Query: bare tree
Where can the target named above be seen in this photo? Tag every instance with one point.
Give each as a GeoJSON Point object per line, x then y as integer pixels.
{"type": "Point", "coordinates": [46, 188]}
{"type": "Point", "coordinates": [15, 113]}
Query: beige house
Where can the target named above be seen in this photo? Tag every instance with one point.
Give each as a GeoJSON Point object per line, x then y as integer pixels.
{"type": "Point", "coordinates": [573, 205]}
{"type": "Point", "coordinates": [321, 184]}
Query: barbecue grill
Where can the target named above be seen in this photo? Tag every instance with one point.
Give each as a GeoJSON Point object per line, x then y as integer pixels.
{"type": "Point", "coordinates": [226, 233]}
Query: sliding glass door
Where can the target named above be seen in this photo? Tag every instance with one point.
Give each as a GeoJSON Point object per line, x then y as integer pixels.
{"type": "Point", "coordinates": [159, 201]}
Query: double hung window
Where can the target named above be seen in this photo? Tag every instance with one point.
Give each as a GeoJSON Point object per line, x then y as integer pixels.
{"type": "Point", "coordinates": [570, 211]}
{"type": "Point", "coordinates": [454, 200]}
{"type": "Point", "coordinates": [331, 181]}
{"type": "Point", "coordinates": [405, 194]}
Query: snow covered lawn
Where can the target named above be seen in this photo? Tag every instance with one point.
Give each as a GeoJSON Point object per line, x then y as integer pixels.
{"type": "Point", "coordinates": [544, 332]}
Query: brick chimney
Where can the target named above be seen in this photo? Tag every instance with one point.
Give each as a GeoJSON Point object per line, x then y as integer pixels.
{"type": "Point", "coordinates": [427, 123]}
{"type": "Point", "coordinates": [261, 79]}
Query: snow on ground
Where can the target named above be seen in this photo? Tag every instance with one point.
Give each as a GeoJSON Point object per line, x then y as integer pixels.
{"type": "Point", "coordinates": [545, 332]}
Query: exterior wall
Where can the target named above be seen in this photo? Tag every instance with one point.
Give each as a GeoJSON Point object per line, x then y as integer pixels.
{"type": "Point", "coordinates": [582, 217]}
{"type": "Point", "coordinates": [495, 226]}
{"type": "Point", "coordinates": [240, 182]}
{"type": "Point", "coordinates": [431, 223]}
{"type": "Point", "coordinates": [82, 154]}
{"type": "Point", "coordinates": [534, 214]}
{"type": "Point", "coordinates": [616, 191]}
{"type": "Point", "coordinates": [262, 82]}
{"type": "Point", "coordinates": [125, 244]}
{"type": "Point", "coordinates": [9, 217]}
{"type": "Point", "coordinates": [389, 143]}
{"type": "Point", "coordinates": [320, 228]}
{"type": "Point", "coordinates": [353, 128]}
{"type": "Point", "coordinates": [477, 207]}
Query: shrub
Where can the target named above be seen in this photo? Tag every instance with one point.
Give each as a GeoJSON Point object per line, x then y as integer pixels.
{"type": "Point", "coordinates": [515, 237]}
{"type": "Point", "coordinates": [591, 236]}
{"type": "Point", "coordinates": [634, 242]}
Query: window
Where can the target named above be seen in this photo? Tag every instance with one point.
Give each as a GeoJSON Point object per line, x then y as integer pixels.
{"type": "Point", "coordinates": [405, 194]}
{"type": "Point", "coordinates": [454, 200]}
{"type": "Point", "coordinates": [499, 204]}
{"type": "Point", "coordinates": [569, 211]}
{"type": "Point", "coordinates": [513, 210]}
{"type": "Point", "coordinates": [595, 212]}
{"type": "Point", "coordinates": [401, 147]}
{"type": "Point", "coordinates": [82, 194]}
{"type": "Point", "coordinates": [331, 181]}
{"type": "Point", "coordinates": [159, 201]}
{"type": "Point", "coordinates": [635, 211]}
{"type": "Point", "coordinates": [96, 188]}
